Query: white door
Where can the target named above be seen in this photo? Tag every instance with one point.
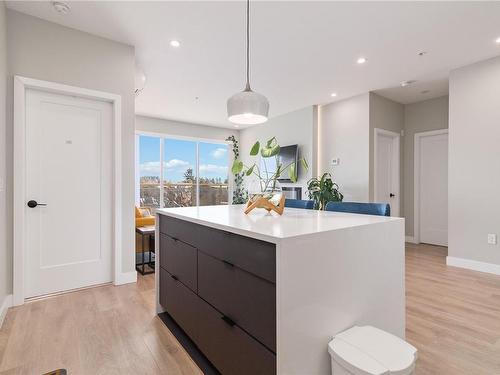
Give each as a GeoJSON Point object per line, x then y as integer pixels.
{"type": "Point", "coordinates": [433, 189]}
{"type": "Point", "coordinates": [386, 173]}
{"type": "Point", "coordinates": [69, 171]}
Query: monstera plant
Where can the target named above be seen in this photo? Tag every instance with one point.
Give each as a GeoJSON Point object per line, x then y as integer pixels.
{"type": "Point", "coordinates": [265, 184]}
{"type": "Point", "coordinates": [323, 190]}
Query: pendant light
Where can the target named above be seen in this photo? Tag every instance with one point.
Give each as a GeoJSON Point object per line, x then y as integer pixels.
{"type": "Point", "coordinates": [247, 107]}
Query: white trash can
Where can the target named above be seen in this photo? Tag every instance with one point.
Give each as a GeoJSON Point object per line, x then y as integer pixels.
{"type": "Point", "coordinates": [370, 351]}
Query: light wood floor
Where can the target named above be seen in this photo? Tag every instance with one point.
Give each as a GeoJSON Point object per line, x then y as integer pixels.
{"type": "Point", "coordinates": [453, 318]}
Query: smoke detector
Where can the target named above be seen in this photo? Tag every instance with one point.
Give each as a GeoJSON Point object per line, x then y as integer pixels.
{"type": "Point", "coordinates": [61, 7]}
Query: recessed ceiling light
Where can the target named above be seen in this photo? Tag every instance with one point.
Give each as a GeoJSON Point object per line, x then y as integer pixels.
{"type": "Point", "coordinates": [361, 60]}
{"type": "Point", "coordinates": [497, 40]}
{"type": "Point", "coordinates": [407, 83]}
{"type": "Point", "coordinates": [175, 43]}
{"type": "Point", "coordinates": [333, 94]}
{"type": "Point", "coordinates": [61, 7]}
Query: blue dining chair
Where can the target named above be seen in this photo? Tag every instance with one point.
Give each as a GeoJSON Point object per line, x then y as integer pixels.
{"type": "Point", "coordinates": [379, 209]}
{"type": "Point", "coordinates": [299, 203]}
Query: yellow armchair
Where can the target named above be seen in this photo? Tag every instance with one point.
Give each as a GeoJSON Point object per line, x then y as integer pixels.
{"type": "Point", "coordinates": [143, 217]}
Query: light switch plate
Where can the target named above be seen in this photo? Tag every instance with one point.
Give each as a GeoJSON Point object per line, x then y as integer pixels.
{"type": "Point", "coordinates": [492, 239]}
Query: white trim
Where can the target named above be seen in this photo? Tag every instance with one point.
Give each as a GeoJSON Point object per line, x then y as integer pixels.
{"type": "Point", "coordinates": [410, 239]}
{"type": "Point", "coordinates": [7, 302]}
{"type": "Point", "coordinates": [396, 139]}
{"type": "Point", "coordinates": [21, 84]}
{"type": "Point", "coordinates": [474, 265]}
{"type": "Point", "coordinates": [416, 178]}
{"type": "Point", "coordinates": [182, 137]}
{"type": "Point", "coordinates": [125, 278]}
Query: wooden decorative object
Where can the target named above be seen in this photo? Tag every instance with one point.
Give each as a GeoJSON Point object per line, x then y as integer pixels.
{"type": "Point", "coordinates": [264, 203]}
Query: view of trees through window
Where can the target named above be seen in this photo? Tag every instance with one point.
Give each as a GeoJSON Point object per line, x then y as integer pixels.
{"type": "Point", "coordinates": [171, 179]}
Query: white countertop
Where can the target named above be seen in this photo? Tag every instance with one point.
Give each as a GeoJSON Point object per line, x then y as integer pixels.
{"type": "Point", "coordinates": [271, 226]}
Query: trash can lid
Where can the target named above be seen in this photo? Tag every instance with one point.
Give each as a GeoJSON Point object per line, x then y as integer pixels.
{"type": "Point", "coordinates": [370, 351]}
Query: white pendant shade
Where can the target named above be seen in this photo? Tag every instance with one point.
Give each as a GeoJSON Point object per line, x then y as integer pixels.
{"type": "Point", "coordinates": [247, 108]}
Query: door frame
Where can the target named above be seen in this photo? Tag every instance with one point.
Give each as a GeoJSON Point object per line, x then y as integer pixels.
{"type": "Point", "coordinates": [21, 84]}
{"type": "Point", "coordinates": [396, 140]}
{"type": "Point", "coordinates": [416, 178]}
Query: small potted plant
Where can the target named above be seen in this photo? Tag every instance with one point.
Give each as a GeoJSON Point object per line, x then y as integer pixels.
{"type": "Point", "coordinates": [323, 190]}
{"type": "Point", "coordinates": [265, 190]}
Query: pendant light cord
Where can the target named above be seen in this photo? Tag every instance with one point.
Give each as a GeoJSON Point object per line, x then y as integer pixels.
{"type": "Point", "coordinates": [247, 88]}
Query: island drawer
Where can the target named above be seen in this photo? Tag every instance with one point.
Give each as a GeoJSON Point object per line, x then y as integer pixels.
{"type": "Point", "coordinates": [180, 259]}
{"type": "Point", "coordinates": [229, 348]}
{"type": "Point", "coordinates": [249, 300]}
{"type": "Point", "coordinates": [255, 256]}
{"type": "Point", "coordinates": [181, 303]}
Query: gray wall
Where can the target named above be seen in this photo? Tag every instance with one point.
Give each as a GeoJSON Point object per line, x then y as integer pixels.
{"type": "Point", "coordinates": [182, 129]}
{"type": "Point", "coordinates": [296, 127]}
{"type": "Point", "coordinates": [474, 161]}
{"type": "Point", "coordinates": [388, 115]}
{"type": "Point", "coordinates": [5, 258]}
{"type": "Point", "coordinates": [419, 117]}
{"type": "Point", "coordinates": [344, 132]}
{"type": "Point", "coordinates": [47, 51]}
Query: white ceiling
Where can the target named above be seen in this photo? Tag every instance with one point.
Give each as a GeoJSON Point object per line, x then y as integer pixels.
{"type": "Point", "coordinates": [301, 51]}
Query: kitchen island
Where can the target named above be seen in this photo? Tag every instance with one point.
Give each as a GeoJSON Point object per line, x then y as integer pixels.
{"type": "Point", "coordinates": [264, 294]}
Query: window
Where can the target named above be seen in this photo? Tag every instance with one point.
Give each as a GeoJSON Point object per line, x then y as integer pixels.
{"type": "Point", "coordinates": [179, 173]}
{"type": "Point", "coordinates": [149, 171]}
{"type": "Point", "coordinates": [213, 161]}
{"type": "Point", "coordinates": [192, 173]}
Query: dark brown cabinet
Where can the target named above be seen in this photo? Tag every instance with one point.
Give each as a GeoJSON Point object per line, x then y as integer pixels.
{"type": "Point", "coordinates": [180, 259]}
{"type": "Point", "coordinates": [247, 299]}
{"type": "Point", "coordinates": [220, 289]}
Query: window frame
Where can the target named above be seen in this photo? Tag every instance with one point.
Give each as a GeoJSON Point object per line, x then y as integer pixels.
{"type": "Point", "coordinates": [197, 140]}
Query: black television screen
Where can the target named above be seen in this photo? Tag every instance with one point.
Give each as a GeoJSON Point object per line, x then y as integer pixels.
{"type": "Point", "coordinates": [287, 155]}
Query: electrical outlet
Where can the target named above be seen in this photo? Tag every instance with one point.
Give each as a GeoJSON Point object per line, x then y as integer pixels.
{"type": "Point", "coordinates": [492, 239]}
{"type": "Point", "coordinates": [335, 161]}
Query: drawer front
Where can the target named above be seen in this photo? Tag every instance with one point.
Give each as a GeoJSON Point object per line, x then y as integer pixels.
{"type": "Point", "coordinates": [180, 303]}
{"type": "Point", "coordinates": [255, 256]}
{"type": "Point", "coordinates": [248, 300]}
{"type": "Point", "coordinates": [180, 260]}
{"type": "Point", "coordinates": [229, 348]}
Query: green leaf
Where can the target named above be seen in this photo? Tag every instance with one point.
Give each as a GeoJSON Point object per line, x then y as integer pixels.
{"type": "Point", "coordinates": [268, 152]}
{"type": "Point", "coordinates": [237, 166]}
{"type": "Point", "coordinates": [255, 149]}
{"type": "Point", "coordinates": [272, 142]}
{"type": "Point", "coordinates": [250, 170]}
{"type": "Point", "coordinates": [272, 148]}
{"type": "Point", "coordinates": [292, 172]}
{"type": "Point", "coordinates": [304, 164]}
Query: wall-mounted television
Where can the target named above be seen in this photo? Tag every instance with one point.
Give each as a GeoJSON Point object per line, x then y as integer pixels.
{"type": "Point", "coordinates": [287, 155]}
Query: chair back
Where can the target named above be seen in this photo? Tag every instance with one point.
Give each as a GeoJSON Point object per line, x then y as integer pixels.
{"type": "Point", "coordinates": [379, 209]}
{"type": "Point", "coordinates": [299, 203]}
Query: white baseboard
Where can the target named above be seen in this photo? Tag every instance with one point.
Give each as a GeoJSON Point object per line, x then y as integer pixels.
{"type": "Point", "coordinates": [410, 239]}
{"type": "Point", "coordinates": [7, 302]}
{"type": "Point", "coordinates": [474, 265]}
{"type": "Point", "coordinates": [126, 278]}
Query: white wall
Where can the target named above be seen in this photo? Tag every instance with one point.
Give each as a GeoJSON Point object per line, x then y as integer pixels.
{"type": "Point", "coordinates": [423, 116]}
{"type": "Point", "coordinates": [344, 132]}
{"type": "Point", "coordinates": [5, 256]}
{"type": "Point", "coordinates": [474, 162]}
{"type": "Point", "coordinates": [47, 51]}
{"type": "Point", "coordinates": [388, 115]}
{"type": "Point", "coordinates": [296, 127]}
{"type": "Point", "coordinates": [182, 129]}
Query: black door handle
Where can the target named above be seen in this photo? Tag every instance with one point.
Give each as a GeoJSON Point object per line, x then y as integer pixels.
{"type": "Point", "coordinates": [228, 320]}
{"type": "Point", "coordinates": [392, 195]}
{"type": "Point", "coordinates": [33, 204]}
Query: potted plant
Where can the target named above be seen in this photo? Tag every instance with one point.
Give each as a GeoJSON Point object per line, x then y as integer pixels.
{"type": "Point", "coordinates": [323, 190]}
{"type": "Point", "coordinates": [265, 190]}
